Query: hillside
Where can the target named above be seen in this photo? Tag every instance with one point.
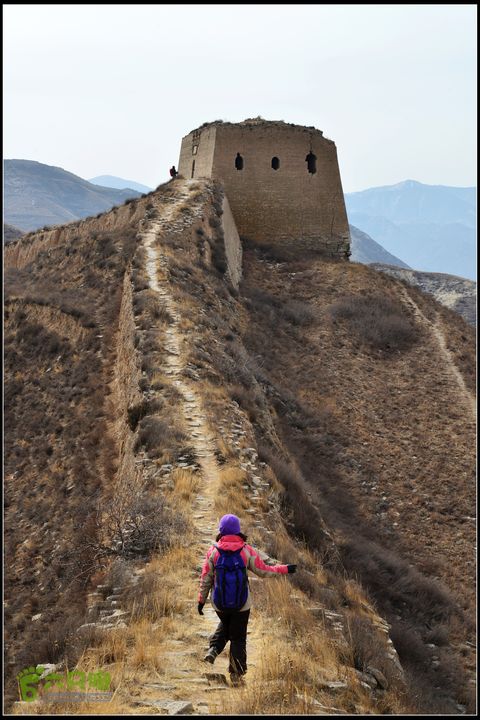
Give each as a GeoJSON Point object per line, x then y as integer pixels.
{"type": "Point", "coordinates": [456, 293]}
{"type": "Point", "coordinates": [365, 250]}
{"type": "Point", "coordinates": [38, 195]}
{"type": "Point", "coordinates": [327, 404]}
{"type": "Point", "coordinates": [431, 227]}
{"type": "Point", "coordinates": [112, 181]}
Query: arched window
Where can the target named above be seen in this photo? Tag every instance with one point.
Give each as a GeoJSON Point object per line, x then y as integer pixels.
{"type": "Point", "coordinates": [275, 163]}
{"type": "Point", "coordinates": [193, 168]}
{"type": "Point", "coordinates": [311, 161]}
{"type": "Point", "coordinates": [239, 162]}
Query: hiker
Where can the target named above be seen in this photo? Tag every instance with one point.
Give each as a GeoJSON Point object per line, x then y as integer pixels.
{"type": "Point", "coordinates": [173, 172]}
{"type": "Point", "coordinates": [225, 568]}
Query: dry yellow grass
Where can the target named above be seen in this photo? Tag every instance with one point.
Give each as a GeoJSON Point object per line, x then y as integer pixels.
{"type": "Point", "coordinates": [292, 660]}
{"type": "Point", "coordinates": [147, 649]}
{"type": "Point", "coordinates": [186, 485]}
{"type": "Point", "coordinates": [231, 497]}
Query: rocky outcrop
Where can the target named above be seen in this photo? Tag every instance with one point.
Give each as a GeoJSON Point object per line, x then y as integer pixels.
{"type": "Point", "coordinates": [456, 293]}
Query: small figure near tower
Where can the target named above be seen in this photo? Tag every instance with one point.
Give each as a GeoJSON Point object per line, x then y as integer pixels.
{"type": "Point", "coordinates": [173, 172]}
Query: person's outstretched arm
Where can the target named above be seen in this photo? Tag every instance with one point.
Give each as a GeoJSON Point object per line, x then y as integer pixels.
{"type": "Point", "coordinates": [260, 568]}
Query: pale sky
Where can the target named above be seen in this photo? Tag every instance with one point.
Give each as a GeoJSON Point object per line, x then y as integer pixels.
{"type": "Point", "coordinates": [112, 89]}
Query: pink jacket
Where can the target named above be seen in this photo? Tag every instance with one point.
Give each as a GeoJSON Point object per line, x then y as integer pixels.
{"type": "Point", "coordinates": [252, 561]}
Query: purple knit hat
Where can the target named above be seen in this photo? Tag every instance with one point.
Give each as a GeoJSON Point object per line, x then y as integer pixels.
{"type": "Point", "coordinates": [229, 525]}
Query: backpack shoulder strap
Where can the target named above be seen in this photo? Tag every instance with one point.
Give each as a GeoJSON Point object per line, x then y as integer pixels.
{"type": "Point", "coordinates": [240, 554]}
{"type": "Point", "coordinates": [218, 549]}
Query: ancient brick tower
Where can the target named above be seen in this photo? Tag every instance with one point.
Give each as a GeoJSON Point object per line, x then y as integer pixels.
{"type": "Point", "coordinates": [282, 180]}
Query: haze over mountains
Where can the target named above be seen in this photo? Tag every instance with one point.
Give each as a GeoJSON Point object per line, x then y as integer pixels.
{"type": "Point", "coordinates": [119, 183]}
{"type": "Point", "coordinates": [36, 195]}
{"type": "Point", "coordinates": [430, 227]}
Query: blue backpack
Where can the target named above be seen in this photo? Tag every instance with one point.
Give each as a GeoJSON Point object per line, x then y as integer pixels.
{"type": "Point", "coordinates": [230, 590]}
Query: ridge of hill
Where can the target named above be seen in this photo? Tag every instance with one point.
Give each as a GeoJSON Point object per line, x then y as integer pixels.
{"type": "Point", "coordinates": [38, 195]}
{"type": "Point", "coordinates": [365, 250]}
{"type": "Point", "coordinates": [175, 393]}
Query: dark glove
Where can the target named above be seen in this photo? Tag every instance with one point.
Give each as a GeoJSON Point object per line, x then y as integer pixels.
{"type": "Point", "coordinates": [200, 608]}
{"type": "Point", "coordinates": [292, 568]}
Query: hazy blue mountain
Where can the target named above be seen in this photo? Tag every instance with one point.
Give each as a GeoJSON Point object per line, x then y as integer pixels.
{"type": "Point", "coordinates": [365, 250]}
{"type": "Point", "coordinates": [431, 227]}
{"type": "Point", "coordinates": [11, 233]}
{"type": "Point", "coordinates": [36, 195]}
{"type": "Point", "coordinates": [412, 201]}
{"type": "Point", "coordinates": [119, 183]}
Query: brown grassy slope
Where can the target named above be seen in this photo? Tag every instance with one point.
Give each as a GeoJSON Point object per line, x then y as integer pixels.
{"type": "Point", "coordinates": [307, 387]}
{"type": "Point", "coordinates": [79, 353]}
{"type": "Point", "coordinates": [63, 293]}
{"type": "Point", "coordinates": [386, 442]}
{"type": "Point", "coordinates": [161, 619]}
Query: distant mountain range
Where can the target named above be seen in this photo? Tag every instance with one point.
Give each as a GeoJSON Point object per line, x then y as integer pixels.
{"type": "Point", "coordinates": [112, 181]}
{"type": "Point", "coordinates": [365, 250]}
{"type": "Point", "coordinates": [431, 227]}
{"type": "Point", "coordinates": [36, 195]}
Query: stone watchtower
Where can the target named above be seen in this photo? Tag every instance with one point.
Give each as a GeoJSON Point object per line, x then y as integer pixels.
{"type": "Point", "coordinates": [282, 181]}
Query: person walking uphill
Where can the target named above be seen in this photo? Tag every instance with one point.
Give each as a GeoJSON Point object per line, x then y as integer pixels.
{"type": "Point", "coordinates": [225, 569]}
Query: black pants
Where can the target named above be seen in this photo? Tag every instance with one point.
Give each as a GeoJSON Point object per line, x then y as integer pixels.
{"type": "Point", "coordinates": [233, 627]}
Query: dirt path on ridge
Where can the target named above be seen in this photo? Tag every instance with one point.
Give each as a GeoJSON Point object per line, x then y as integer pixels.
{"type": "Point", "coordinates": [185, 660]}
{"type": "Point", "coordinates": [457, 383]}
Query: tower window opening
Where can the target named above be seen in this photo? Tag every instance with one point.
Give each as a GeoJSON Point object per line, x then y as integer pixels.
{"type": "Point", "coordinates": [239, 162]}
{"type": "Point", "coordinates": [311, 161]}
{"type": "Point", "coordinates": [194, 149]}
{"type": "Point", "coordinates": [275, 163]}
{"type": "Point", "coordinates": [193, 168]}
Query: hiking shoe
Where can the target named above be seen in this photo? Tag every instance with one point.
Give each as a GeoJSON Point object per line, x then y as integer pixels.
{"type": "Point", "coordinates": [210, 656]}
{"type": "Point", "coordinates": [237, 680]}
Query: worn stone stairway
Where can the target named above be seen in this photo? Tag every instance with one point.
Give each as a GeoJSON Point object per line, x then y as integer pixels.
{"type": "Point", "coordinates": [203, 442]}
